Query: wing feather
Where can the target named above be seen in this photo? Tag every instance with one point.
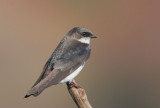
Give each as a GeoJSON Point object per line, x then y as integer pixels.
{"type": "Point", "coordinates": [62, 66]}
{"type": "Point", "coordinates": [44, 73]}
{"type": "Point", "coordinates": [61, 63]}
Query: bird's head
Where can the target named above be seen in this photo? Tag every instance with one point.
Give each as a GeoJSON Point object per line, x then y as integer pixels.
{"type": "Point", "coordinates": [81, 34]}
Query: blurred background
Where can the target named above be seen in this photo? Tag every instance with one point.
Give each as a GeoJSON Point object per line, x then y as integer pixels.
{"type": "Point", "coordinates": [124, 68]}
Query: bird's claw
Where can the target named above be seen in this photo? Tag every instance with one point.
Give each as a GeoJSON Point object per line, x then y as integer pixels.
{"type": "Point", "coordinates": [73, 84]}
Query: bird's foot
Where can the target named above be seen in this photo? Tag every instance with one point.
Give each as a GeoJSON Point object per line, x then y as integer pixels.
{"type": "Point", "coordinates": [73, 84]}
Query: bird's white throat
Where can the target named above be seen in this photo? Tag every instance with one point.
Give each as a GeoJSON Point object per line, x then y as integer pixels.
{"type": "Point", "coordinates": [85, 40]}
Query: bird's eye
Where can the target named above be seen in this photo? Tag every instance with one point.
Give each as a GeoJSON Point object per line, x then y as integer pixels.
{"type": "Point", "coordinates": [84, 33]}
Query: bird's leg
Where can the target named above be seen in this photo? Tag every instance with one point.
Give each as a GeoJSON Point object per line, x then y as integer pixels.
{"type": "Point", "coordinates": [73, 84]}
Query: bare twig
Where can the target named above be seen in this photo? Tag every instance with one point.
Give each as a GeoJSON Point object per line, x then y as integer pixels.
{"type": "Point", "coordinates": [78, 95]}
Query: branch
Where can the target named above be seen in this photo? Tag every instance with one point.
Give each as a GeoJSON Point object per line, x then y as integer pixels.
{"type": "Point", "coordinates": [78, 95]}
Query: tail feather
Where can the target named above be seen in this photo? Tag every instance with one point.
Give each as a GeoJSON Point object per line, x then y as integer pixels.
{"type": "Point", "coordinates": [35, 91]}
{"type": "Point", "coordinates": [38, 88]}
{"type": "Point", "coordinates": [26, 96]}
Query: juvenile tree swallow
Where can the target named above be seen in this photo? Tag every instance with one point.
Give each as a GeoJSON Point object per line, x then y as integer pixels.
{"type": "Point", "coordinates": [66, 62]}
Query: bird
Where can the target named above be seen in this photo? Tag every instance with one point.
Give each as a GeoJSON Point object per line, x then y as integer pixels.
{"type": "Point", "coordinates": [66, 62]}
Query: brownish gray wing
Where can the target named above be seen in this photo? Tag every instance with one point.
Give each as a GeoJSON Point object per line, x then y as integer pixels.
{"type": "Point", "coordinates": [72, 57]}
{"type": "Point", "coordinates": [56, 70]}
{"type": "Point", "coordinates": [44, 73]}
{"type": "Point", "coordinates": [70, 61]}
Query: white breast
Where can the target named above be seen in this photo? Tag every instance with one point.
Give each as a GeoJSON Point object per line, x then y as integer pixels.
{"type": "Point", "coordinates": [72, 75]}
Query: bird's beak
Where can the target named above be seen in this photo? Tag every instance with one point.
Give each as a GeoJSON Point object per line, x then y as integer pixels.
{"type": "Point", "coordinates": [93, 36]}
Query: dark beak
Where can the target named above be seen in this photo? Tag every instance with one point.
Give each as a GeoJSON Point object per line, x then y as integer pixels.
{"type": "Point", "coordinates": [93, 36]}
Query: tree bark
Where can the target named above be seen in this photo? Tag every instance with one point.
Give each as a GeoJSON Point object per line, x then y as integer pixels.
{"type": "Point", "coordinates": [78, 95]}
